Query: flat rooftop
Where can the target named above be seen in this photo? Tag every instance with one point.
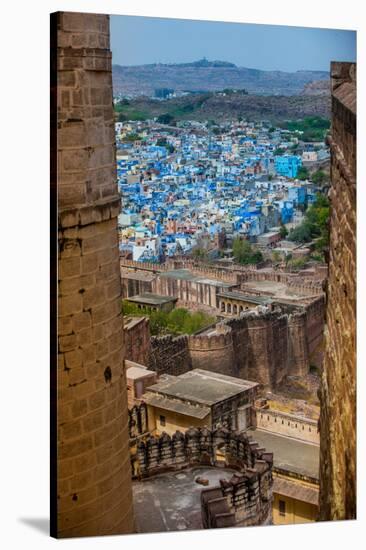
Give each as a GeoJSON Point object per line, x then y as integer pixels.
{"type": "Point", "coordinates": [260, 300]}
{"type": "Point", "coordinates": [187, 275]}
{"type": "Point", "coordinates": [290, 454]}
{"type": "Point", "coordinates": [172, 501]}
{"type": "Point", "coordinates": [203, 387]}
{"type": "Point", "coordinates": [135, 371]}
{"type": "Point", "coordinates": [276, 289]}
{"type": "Point", "coordinates": [149, 298]}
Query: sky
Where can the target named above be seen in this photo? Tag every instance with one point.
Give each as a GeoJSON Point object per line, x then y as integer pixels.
{"type": "Point", "coordinates": [143, 40]}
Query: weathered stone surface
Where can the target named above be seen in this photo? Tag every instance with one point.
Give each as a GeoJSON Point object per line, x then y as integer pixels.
{"type": "Point", "coordinates": [338, 388]}
{"type": "Point", "coordinates": [248, 495]}
{"type": "Point", "coordinates": [94, 473]}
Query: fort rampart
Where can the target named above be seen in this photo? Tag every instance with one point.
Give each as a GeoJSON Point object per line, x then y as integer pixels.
{"type": "Point", "coordinates": [338, 387]}
{"type": "Point", "coordinates": [94, 490]}
{"type": "Point", "coordinates": [259, 345]}
{"type": "Point", "coordinates": [244, 500]}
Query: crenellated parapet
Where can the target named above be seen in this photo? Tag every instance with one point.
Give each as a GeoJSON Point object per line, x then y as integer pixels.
{"type": "Point", "coordinates": [245, 499]}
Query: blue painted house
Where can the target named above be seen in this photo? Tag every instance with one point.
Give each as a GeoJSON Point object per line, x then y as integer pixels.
{"type": "Point", "coordinates": [287, 165]}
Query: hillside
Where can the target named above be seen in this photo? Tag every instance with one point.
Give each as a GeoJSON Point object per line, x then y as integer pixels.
{"type": "Point", "coordinates": [218, 107]}
{"type": "Point", "coordinates": [206, 75]}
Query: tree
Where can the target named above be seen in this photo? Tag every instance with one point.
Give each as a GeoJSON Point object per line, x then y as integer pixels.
{"type": "Point", "coordinates": [302, 173]}
{"type": "Point", "coordinates": [158, 322]}
{"type": "Point", "coordinates": [319, 177]}
{"type": "Point", "coordinates": [315, 224]}
{"type": "Point", "coordinates": [283, 231]}
{"type": "Point", "coordinates": [244, 253]}
{"type": "Point", "coordinates": [276, 256]}
{"type": "Point", "coordinates": [200, 253]}
{"type": "Point", "coordinates": [165, 118]}
{"type": "Point", "coordinates": [296, 264]}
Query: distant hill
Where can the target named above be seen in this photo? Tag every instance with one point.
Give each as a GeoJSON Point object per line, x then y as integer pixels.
{"type": "Point", "coordinates": [218, 107]}
{"type": "Point", "coordinates": [211, 76]}
{"type": "Point", "coordinates": [317, 87]}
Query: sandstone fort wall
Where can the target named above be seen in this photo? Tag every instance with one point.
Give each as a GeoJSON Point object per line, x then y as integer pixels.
{"type": "Point", "coordinates": [338, 387]}
{"type": "Point", "coordinates": [244, 500]}
{"type": "Point", "coordinates": [93, 468]}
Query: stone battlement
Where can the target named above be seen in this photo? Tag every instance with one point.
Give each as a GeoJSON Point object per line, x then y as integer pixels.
{"type": "Point", "coordinates": [261, 345]}
{"type": "Point", "coordinates": [247, 496]}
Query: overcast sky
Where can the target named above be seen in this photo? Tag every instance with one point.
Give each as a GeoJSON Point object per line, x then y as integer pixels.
{"type": "Point", "coordinates": [140, 40]}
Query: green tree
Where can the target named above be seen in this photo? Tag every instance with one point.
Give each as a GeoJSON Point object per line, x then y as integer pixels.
{"type": "Point", "coordinates": [244, 253]}
{"type": "Point", "coordinates": [158, 322]}
{"type": "Point", "coordinates": [315, 224]}
{"type": "Point", "coordinates": [276, 256]}
{"type": "Point", "coordinates": [296, 264]}
{"type": "Point", "coordinates": [283, 231]}
{"type": "Point", "coordinates": [165, 118]}
{"type": "Point", "coordinates": [319, 177]}
{"type": "Point", "coordinates": [302, 173]}
{"type": "Point", "coordinates": [200, 253]}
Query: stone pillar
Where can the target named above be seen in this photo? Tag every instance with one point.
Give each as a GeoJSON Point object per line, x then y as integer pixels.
{"type": "Point", "coordinates": [93, 467]}
{"type": "Point", "coordinates": [338, 386]}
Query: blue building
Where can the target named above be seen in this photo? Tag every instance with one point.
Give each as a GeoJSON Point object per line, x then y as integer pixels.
{"type": "Point", "coordinates": [288, 165]}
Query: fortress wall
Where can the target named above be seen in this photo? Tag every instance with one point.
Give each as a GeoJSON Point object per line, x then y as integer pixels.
{"type": "Point", "coordinates": [213, 352]}
{"type": "Point", "coordinates": [260, 346]}
{"type": "Point", "coordinates": [170, 355]}
{"type": "Point", "coordinates": [298, 345]}
{"type": "Point", "coordinates": [137, 340]}
{"type": "Point", "coordinates": [315, 316]}
{"type": "Point", "coordinates": [132, 287]}
{"type": "Point", "coordinates": [93, 465]}
{"type": "Point", "coordinates": [338, 386]}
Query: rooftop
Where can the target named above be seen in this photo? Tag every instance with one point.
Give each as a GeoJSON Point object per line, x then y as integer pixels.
{"type": "Point", "coordinates": [151, 299]}
{"type": "Point", "coordinates": [187, 275]}
{"type": "Point", "coordinates": [172, 501]}
{"type": "Point", "coordinates": [203, 387]}
{"type": "Point", "coordinates": [290, 454]}
{"type": "Point", "coordinates": [135, 371]}
{"type": "Point", "coordinates": [260, 300]}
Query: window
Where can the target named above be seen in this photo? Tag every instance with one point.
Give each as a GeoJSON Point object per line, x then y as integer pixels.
{"type": "Point", "coordinates": [282, 507]}
{"type": "Point", "coordinates": [162, 420]}
{"type": "Point", "coordinates": [267, 417]}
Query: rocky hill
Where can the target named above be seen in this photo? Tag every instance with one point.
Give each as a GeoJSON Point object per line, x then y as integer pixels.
{"type": "Point", "coordinates": [219, 107]}
{"type": "Point", "coordinates": [204, 75]}
{"type": "Point", "coordinates": [318, 87]}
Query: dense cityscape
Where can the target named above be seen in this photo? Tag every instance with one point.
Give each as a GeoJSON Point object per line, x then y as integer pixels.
{"type": "Point", "coordinates": [195, 187]}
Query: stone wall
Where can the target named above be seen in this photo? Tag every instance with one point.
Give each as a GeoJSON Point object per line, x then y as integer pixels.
{"type": "Point", "coordinates": [248, 495]}
{"type": "Point", "coordinates": [290, 425]}
{"type": "Point", "coordinates": [260, 345]}
{"type": "Point", "coordinates": [338, 386]}
{"type": "Point", "coordinates": [94, 491]}
{"type": "Point", "coordinates": [170, 355]}
{"type": "Point", "coordinates": [214, 351]}
{"type": "Point", "coordinates": [137, 420]}
{"type": "Point", "coordinates": [137, 339]}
